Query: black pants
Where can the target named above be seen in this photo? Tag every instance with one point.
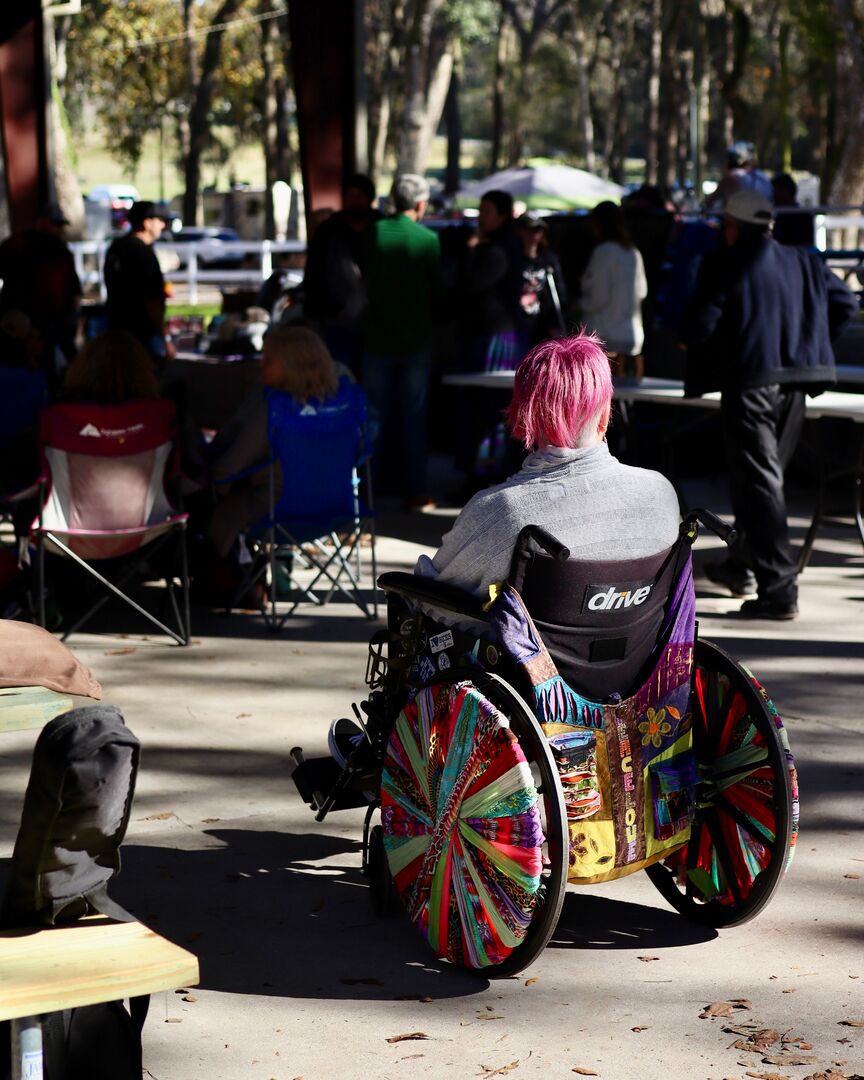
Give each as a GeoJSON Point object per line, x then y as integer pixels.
{"type": "Point", "coordinates": [761, 427]}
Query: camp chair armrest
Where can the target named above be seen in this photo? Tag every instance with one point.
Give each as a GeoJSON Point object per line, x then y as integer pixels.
{"type": "Point", "coordinates": [251, 470]}
{"type": "Point", "coordinates": [29, 491]}
{"type": "Point", "coordinates": [429, 591]}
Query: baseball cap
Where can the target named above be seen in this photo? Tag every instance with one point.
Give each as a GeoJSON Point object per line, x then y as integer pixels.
{"type": "Point", "coordinates": [748, 207]}
{"type": "Point", "coordinates": [139, 212]}
{"type": "Point", "coordinates": [530, 220]}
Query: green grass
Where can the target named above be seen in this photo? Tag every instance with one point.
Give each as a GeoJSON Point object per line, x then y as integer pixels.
{"type": "Point", "coordinates": [206, 311]}
{"type": "Point", "coordinates": [95, 165]}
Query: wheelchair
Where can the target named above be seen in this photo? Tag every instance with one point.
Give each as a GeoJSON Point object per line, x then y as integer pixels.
{"type": "Point", "coordinates": [573, 730]}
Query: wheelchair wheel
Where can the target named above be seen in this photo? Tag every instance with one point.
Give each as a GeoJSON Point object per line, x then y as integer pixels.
{"type": "Point", "coordinates": [381, 891]}
{"type": "Point", "coordinates": [746, 816]}
{"type": "Point", "coordinates": [474, 823]}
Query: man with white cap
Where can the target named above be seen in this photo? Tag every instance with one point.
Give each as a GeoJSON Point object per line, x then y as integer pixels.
{"type": "Point", "coordinates": [759, 329]}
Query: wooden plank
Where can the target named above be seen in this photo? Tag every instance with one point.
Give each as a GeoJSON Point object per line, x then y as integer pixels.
{"type": "Point", "coordinates": [43, 971]}
{"type": "Point", "coordinates": [23, 707]}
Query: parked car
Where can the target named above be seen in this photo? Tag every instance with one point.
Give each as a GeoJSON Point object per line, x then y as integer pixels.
{"type": "Point", "coordinates": [119, 197]}
{"type": "Point", "coordinates": [214, 237]}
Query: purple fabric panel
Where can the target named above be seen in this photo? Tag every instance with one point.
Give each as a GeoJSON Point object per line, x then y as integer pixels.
{"type": "Point", "coordinates": [514, 627]}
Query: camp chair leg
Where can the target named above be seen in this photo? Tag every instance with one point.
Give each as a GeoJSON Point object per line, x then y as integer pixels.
{"type": "Point", "coordinates": [113, 589]}
{"type": "Point", "coordinates": [374, 569]}
{"type": "Point", "coordinates": [343, 558]}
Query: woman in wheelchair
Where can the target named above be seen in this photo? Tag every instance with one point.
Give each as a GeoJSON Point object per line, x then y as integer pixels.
{"type": "Point", "coordinates": [570, 730]}
{"type": "Point", "coordinates": [569, 484]}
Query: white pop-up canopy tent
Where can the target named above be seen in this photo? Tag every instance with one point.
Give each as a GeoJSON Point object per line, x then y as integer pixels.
{"type": "Point", "coordinates": [544, 187]}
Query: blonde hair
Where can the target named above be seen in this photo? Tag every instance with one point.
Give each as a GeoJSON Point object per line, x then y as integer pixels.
{"type": "Point", "coordinates": [111, 368]}
{"type": "Point", "coordinates": [308, 369]}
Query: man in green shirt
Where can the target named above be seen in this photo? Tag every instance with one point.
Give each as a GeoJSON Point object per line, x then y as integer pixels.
{"type": "Point", "coordinates": [402, 268]}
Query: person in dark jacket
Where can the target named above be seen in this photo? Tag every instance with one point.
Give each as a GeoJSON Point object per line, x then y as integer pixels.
{"type": "Point", "coordinates": [759, 329]}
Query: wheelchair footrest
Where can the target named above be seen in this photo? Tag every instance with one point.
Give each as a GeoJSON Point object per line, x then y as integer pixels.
{"type": "Point", "coordinates": [320, 780]}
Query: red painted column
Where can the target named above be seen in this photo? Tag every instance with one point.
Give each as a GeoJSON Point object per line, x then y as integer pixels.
{"type": "Point", "coordinates": [323, 58]}
{"type": "Point", "coordinates": [22, 110]}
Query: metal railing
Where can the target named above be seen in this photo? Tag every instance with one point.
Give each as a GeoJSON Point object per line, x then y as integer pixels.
{"type": "Point", "coordinates": [89, 256]}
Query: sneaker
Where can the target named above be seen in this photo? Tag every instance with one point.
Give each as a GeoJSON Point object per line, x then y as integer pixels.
{"type": "Point", "coordinates": [343, 738]}
{"type": "Point", "coordinates": [768, 609]}
{"type": "Point", "coordinates": [737, 579]}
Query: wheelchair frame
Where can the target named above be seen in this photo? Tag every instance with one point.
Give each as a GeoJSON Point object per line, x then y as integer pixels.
{"type": "Point", "coordinates": [743, 822]}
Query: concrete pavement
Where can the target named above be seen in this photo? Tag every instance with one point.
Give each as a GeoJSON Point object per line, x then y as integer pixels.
{"type": "Point", "coordinates": [299, 979]}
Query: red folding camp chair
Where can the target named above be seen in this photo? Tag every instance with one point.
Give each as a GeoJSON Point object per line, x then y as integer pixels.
{"type": "Point", "coordinates": [103, 500]}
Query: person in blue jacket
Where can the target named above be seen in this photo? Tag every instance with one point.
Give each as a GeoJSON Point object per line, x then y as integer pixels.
{"type": "Point", "coordinates": [759, 329]}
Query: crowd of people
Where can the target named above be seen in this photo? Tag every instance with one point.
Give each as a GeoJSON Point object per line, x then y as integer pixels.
{"type": "Point", "coordinates": [384, 297]}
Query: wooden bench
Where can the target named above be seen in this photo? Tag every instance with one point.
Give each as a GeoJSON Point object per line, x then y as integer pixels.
{"type": "Point", "coordinates": [47, 970]}
{"type": "Point", "coordinates": [23, 707]}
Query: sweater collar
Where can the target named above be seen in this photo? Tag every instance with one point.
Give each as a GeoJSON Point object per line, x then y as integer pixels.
{"type": "Point", "coordinates": [585, 457]}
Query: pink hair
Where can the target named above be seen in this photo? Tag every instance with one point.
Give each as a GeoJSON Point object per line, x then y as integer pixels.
{"type": "Point", "coordinates": [559, 387]}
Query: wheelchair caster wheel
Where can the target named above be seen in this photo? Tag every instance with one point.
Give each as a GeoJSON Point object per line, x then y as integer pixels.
{"type": "Point", "coordinates": [381, 891]}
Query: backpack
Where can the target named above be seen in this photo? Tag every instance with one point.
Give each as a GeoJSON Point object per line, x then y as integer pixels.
{"type": "Point", "coordinates": [76, 810]}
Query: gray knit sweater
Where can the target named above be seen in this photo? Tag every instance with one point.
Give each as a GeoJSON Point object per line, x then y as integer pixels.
{"type": "Point", "coordinates": [598, 507]}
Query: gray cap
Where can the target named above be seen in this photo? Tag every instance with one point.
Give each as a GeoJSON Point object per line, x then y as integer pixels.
{"type": "Point", "coordinates": [749, 207]}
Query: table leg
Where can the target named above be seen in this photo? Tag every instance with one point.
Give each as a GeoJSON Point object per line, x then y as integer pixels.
{"type": "Point", "coordinates": [27, 1048]}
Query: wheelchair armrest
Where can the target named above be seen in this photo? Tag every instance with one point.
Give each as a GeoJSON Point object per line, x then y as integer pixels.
{"type": "Point", "coordinates": [433, 592]}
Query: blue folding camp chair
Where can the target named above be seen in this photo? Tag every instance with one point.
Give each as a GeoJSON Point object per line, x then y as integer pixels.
{"type": "Point", "coordinates": [319, 519]}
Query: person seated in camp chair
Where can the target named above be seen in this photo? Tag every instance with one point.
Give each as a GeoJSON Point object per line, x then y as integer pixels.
{"type": "Point", "coordinates": [295, 360]}
{"type": "Point", "coordinates": [569, 484]}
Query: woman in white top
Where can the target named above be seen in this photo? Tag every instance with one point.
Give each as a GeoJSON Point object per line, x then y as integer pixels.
{"type": "Point", "coordinates": [613, 288]}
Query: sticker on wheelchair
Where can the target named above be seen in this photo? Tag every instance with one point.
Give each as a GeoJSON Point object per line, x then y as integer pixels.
{"type": "Point", "coordinates": [443, 662]}
{"type": "Point", "coordinates": [491, 654]}
{"type": "Point", "coordinates": [426, 670]}
{"type": "Point", "coordinates": [439, 642]}
{"type": "Point", "coordinates": [406, 628]}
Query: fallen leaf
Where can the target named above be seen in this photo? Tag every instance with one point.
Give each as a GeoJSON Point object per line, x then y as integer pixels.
{"type": "Point", "coordinates": [724, 1008]}
{"type": "Point", "coordinates": [181, 990]}
{"type": "Point", "coordinates": [851, 1023]}
{"type": "Point", "coordinates": [244, 716]}
{"type": "Point", "coordinates": [647, 959]}
{"type": "Point", "coordinates": [366, 980]}
{"type": "Point", "coordinates": [489, 1016]}
{"type": "Point", "coordinates": [408, 1036]}
{"type": "Point", "coordinates": [210, 820]}
{"type": "Point", "coordinates": [584, 1072]}
{"type": "Point", "coordinates": [790, 990]}
{"type": "Point", "coordinates": [801, 1044]}
{"type": "Point", "coordinates": [173, 1020]}
{"type": "Point", "coordinates": [845, 1042]}
{"type": "Point", "coordinates": [759, 1041]}
{"type": "Point", "coordinates": [531, 981]}
{"type": "Point", "coordinates": [489, 1070]}
{"type": "Point", "coordinates": [851, 877]}
{"type": "Point", "coordinates": [411, 1057]}
{"type": "Point", "coordinates": [120, 652]}
{"type": "Point", "coordinates": [768, 1076]}
{"type": "Point", "coordinates": [189, 997]}
{"type": "Point", "coordinates": [159, 817]}
{"type": "Point", "coordinates": [786, 1057]}
{"type": "Point", "coordinates": [830, 1075]}
{"type": "Point", "coordinates": [645, 1028]}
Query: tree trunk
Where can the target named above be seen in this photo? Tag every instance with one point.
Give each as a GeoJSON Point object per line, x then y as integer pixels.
{"type": "Point", "coordinates": [847, 187]}
{"type": "Point", "coordinates": [453, 122]}
{"type": "Point", "coordinates": [498, 94]}
{"type": "Point", "coordinates": [584, 121]}
{"type": "Point", "coordinates": [436, 97]}
{"type": "Point", "coordinates": [269, 125]}
{"type": "Point", "coordinates": [653, 120]}
{"type": "Point", "coordinates": [421, 70]}
{"type": "Point", "coordinates": [199, 114]}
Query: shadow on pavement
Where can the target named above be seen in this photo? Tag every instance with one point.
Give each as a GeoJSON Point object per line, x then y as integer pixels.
{"type": "Point", "coordinates": [283, 915]}
{"type": "Point", "coordinates": [596, 922]}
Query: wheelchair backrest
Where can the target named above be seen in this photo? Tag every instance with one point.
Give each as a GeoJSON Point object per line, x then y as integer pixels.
{"type": "Point", "coordinates": [601, 621]}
